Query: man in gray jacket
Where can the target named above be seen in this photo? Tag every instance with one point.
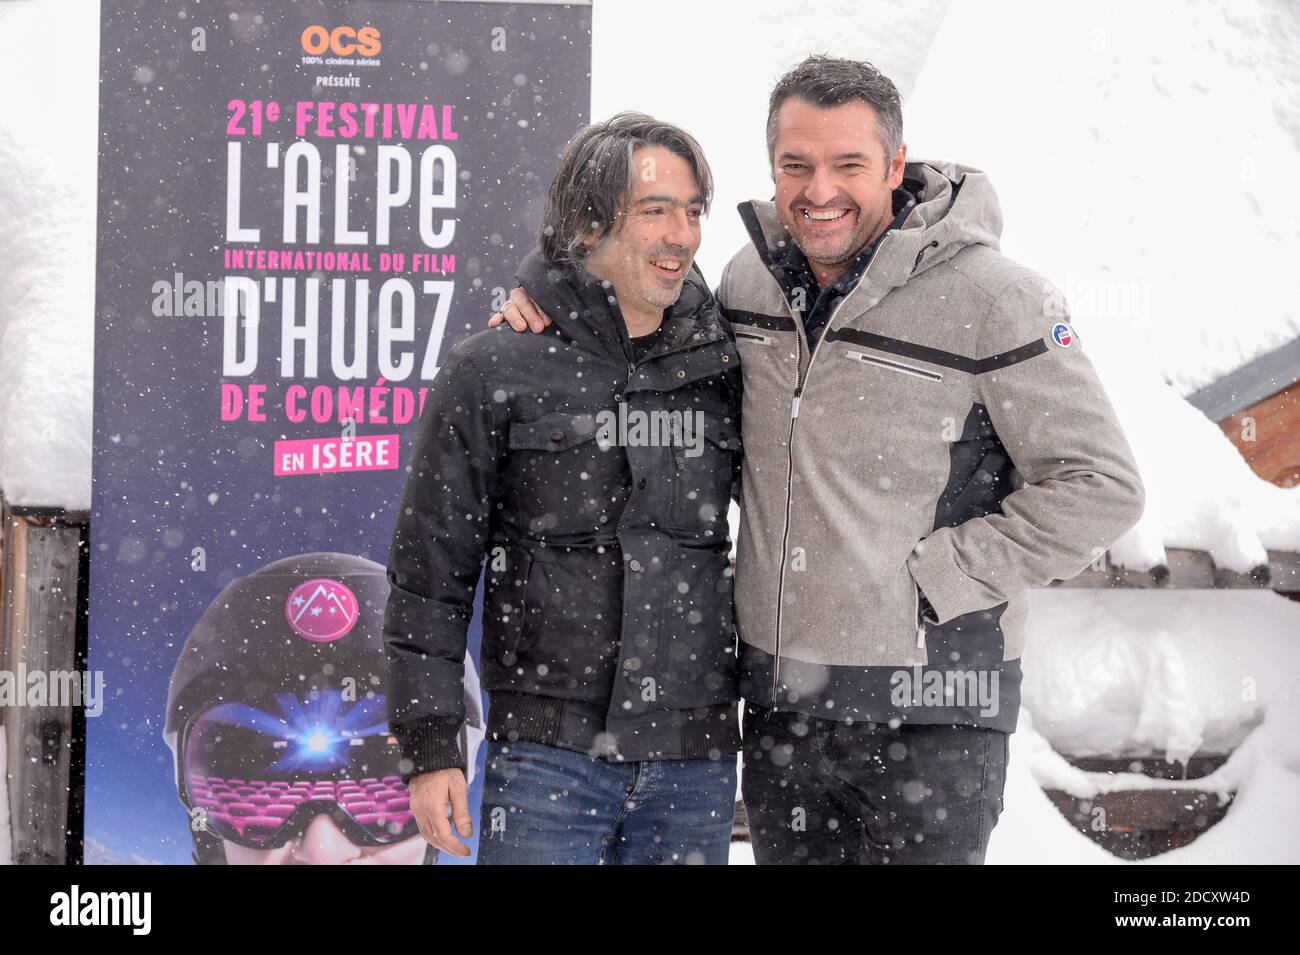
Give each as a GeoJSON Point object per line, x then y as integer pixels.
{"type": "Point", "coordinates": [925, 442]}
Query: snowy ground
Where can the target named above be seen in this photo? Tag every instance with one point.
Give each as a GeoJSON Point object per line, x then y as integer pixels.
{"type": "Point", "coordinates": [1144, 156]}
{"type": "Point", "coordinates": [1174, 673]}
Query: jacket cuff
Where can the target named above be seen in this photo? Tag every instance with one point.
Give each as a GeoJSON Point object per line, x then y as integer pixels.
{"type": "Point", "coordinates": [428, 744]}
{"type": "Point", "coordinates": [949, 589]}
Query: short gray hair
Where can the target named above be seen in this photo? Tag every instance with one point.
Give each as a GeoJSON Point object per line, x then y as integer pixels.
{"type": "Point", "coordinates": [828, 81]}
{"type": "Point", "coordinates": [593, 184]}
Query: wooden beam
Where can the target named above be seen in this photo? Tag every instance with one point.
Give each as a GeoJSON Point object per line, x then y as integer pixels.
{"type": "Point", "coordinates": [1129, 810]}
{"type": "Point", "coordinates": [38, 614]}
{"type": "Point", "coordinates": [1141, 823]}
{"type": "Point", "coordinates": [1195, 570]}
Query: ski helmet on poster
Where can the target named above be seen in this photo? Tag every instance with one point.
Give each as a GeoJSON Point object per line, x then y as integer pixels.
{"type": "Point", "coordinates": [276, 714]}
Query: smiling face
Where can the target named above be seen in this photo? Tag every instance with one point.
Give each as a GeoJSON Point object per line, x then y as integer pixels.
{"type": "Point", "coordinates": [648, 252]}
{"type": "Point", "coordinates": [834, 182]}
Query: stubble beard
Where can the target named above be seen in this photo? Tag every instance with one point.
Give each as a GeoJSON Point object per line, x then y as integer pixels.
{"type": "Point", "coordinates": [847, 250]}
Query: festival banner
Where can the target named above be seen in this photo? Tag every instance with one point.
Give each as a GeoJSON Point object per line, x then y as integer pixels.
{"type": "Point", "coordinates": [302, 206]}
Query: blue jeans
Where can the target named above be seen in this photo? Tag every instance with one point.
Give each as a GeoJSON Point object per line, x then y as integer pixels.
{"type": "Point", "coordinates": [543, 805]}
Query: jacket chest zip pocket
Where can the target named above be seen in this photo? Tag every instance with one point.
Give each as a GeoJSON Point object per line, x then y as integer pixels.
{"type": "Point", "coordinates": [890, 364]}
{"type": "Point", "coordinates": [755, 338]}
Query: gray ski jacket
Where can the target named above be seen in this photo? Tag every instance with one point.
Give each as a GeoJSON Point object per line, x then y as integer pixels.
{"type": "Point", "coordinates": [947, 432]}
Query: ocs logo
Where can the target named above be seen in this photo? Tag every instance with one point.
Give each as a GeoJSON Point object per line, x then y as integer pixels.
{"type": "Point", "coordinates": [341, 41]}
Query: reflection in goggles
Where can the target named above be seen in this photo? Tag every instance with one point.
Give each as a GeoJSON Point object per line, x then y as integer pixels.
{"type": "Point", "coordinates": [258, 778]}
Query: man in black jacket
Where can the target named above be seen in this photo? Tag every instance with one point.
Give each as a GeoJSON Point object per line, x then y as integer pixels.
{"type": "Point", "coordinates": [592, 468]}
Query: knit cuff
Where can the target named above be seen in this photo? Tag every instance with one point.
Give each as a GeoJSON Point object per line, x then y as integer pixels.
{"type": "Point", "coordinates": [428, 744]}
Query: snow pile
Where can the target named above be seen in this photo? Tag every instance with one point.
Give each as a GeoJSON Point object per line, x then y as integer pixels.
{"type": "Point", "coordinates": [1146, 673]}
{"type": "Point", "coordinates": [1258, 828]}
{"type": "Point", "coordinates": [47, 255]}
{"type": "Point", "coordinates": [1139, 672]}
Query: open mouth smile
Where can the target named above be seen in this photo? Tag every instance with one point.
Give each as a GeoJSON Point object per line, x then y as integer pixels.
{"type": "Point", "coordinates": [670, 268]}
{"type": "Point", "coordinates": [826, 215]}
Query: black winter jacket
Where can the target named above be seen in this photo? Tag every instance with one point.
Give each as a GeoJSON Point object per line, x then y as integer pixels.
{"type": "Point", "coordinates": [582, 476]}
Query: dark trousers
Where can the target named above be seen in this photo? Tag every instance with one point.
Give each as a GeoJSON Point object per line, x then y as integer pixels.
{"type": "Point", "coordinates": [823, 792]}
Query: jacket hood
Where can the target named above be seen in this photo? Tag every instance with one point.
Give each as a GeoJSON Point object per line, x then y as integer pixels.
{"type": "Point", "coordinates": [955, 207]}
{"type": "Point", "coordinates": [585, 310]}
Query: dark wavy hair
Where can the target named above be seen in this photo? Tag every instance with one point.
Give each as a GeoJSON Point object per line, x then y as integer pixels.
{"type": "Point", "coordinates": [593, 185]}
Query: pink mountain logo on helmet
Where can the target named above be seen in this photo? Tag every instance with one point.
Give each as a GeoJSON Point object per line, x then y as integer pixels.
{"type": "Point", "coordinates": [321, 610]}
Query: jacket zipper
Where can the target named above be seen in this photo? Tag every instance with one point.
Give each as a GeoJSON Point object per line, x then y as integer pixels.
{"type": "Point", "coordinates": [920, 622]}
{"type": "Point", "coordinates": [789, 479]}
{"type": "Point", "coordinates": [800, 383]}
{"type": "Point", "coordinates": [629, 354]}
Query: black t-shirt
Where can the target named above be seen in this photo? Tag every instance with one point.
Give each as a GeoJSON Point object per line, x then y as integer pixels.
{"type": "Point", "coordinates": [642, 345]}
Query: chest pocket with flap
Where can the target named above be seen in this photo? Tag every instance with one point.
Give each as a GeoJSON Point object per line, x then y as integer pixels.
{"type": "Point", "coordinates": [559, 478]}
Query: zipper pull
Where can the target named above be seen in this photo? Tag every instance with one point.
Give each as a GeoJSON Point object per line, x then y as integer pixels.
{"type": "Point", "coordinates": [920, 635]}
{"type": "Point", "coordinates": [794, 404]}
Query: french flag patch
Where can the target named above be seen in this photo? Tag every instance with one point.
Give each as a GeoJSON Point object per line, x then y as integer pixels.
{"type": "Point", "coordinates": [1062, 335]}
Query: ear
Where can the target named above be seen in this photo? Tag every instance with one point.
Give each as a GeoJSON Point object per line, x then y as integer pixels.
{"type": "Point", "coordinates": [594, 235]}
{"type": "Point", "coordinates": [896, 166]}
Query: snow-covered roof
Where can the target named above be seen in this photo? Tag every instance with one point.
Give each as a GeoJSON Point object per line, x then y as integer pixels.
{"type": "Point", "coordinates": [1252, 382]}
